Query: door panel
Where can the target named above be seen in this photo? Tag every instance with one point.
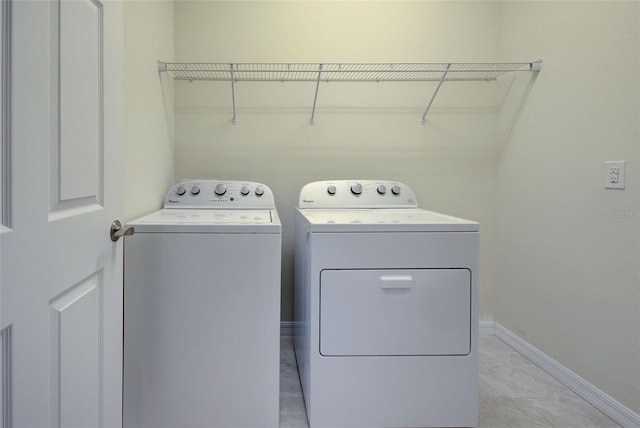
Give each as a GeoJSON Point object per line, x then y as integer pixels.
{"type": "Point", "coordinates": [5, 377]}
{"type": "Point", "coordinates": [76, 111]}
{"type": "Point", "coordinates": [60, 274]}
{"type": "Point", "coordinates": [80, 98]}
{"type": "Point", "coordinates": [395, 312]}
{"type": "Point", "coordinates": [76, 330]}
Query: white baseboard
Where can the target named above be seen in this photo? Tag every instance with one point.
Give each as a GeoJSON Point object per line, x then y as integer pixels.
{"type": "Point", "coordinates": [487, 328]}
{"type": "Point", "coordinates": [598, 399]}
{"type": "Point", "coordinates": [287, 328]}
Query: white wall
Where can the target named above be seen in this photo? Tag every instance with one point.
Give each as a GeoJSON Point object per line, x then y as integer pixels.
{"type": "Point", "coordinates": [148, 169]}
{"type": "Point", "coordinates": [568, 260]}
{"type": "Point", "coordinates": [362, 130]}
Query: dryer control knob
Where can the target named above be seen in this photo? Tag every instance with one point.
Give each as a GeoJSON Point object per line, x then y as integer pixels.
{"type": "Point", "coordinates": [356, 189]}
{"type": "Point", "coordinates": [181, 190]}
{"type": "Point", "coordinates": [382, 189]}
{"type": "Point", "coordinates": [259, 191]}
{"type": "Point", "coordinates": [395, 189]}
{"type": "Point", "coordinates": [195, 190]}
{"type": "Point", "coordinates": [220, 189]}
{"type": "Point", "coordinates": [244, 191]}
{"type": "Point", "coordinates": [331, 190]}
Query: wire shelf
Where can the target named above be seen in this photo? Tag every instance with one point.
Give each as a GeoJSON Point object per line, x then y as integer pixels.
{"type": "Point", "coordinates": [345, 72]}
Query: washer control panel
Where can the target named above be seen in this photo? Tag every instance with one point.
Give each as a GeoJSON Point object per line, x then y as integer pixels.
{"type": "Point", "coordinates": [212, 194]}
{"type": "Point", "coordinates": [357, 194]}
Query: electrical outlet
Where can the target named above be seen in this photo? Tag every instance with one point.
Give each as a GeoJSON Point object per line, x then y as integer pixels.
{"type": "Point", "coordinates": [614, 174]}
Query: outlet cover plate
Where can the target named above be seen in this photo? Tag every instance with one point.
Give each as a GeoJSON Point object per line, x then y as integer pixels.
{"type": "Point", "coordinates": [614, 174]}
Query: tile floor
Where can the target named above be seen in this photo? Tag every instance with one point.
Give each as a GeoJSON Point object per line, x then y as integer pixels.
{"type": "Point", "coordinates": [513, 393]}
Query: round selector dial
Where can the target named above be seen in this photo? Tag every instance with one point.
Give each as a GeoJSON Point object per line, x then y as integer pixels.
{"type": "Point", "coordinates": [181, 190]}
{"type": "Point", "coordinates": [331, 190]}
{"type": "Point", "coordinates": [395, 189]}
{"type": "Point", "coordinates": [382, 189]}
{"type": "Point", "coordinates": [356, 189]}
{"type": "Point", "coordinates": [220, 189]}
{"type": "Point", "coordinates": [244, 191]}
{"type": "Point", "coordinates": [259, 191]}
{"type": "Point", "coordinates": [195, 190]}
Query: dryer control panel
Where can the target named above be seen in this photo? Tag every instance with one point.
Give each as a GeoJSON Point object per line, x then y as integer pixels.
{"type": "Point", "coordinates": [357, 194]}
{"type": "Point", "coordinates": [212, 194]}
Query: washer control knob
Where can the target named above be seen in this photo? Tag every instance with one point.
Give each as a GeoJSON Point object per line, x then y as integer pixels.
{"type": "Point", "coordinates": [395, 189]}
{"type": "Point", "coordinates": [331, 190]}
{"type": "Point", "coordinates": [356, 189]}
{"type": "Point", "coordinates": [382, 189]}
{"type": "Point", "coordinates": [244, 191]}
{"type": "Point", "coordinates": [220, 189]}
{"type": "Point", "coordinates": [195, 190]}
{"type": "Point", "coordinates": [259, 191]}
{"type": "Point", "coordinates": [181, 190]}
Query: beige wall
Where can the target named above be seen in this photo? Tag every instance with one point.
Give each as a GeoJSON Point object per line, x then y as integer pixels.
{"type": "Point", "coordinates": [525, 157]}
{"type": "Point", "coordinates": [148, 124]}
{"type": "Point", "coordinates": [568, 259]}
{"type": "Point", "coordinates": [362, 130]}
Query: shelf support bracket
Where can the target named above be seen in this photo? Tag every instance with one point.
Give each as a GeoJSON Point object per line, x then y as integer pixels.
{"type": "Point", "coordinates": [315, 98]}
{"type": "Point", "coordinates": [433, 97]}
{"type": "Point", "coordinates": [536, 66]}
{"type": "Point", "coordinates": [233, 94]}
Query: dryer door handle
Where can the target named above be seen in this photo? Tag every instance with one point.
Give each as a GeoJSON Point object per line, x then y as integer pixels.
{"type": "Point", "coordinates": [396, 281]}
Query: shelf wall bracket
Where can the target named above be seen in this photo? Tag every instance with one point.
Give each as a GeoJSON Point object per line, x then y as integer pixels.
{"type": "Point", "coordinates": [315, 97]}
{"type": "Point", "coordinates": [433, 97]}
{"type": "Point", "coordinates": [233, 94]}
{"type": "Point", "coordinates": [536, 66]}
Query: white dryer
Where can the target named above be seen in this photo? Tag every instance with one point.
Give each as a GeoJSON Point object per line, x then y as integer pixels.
{"type": "Point", "coordinates": [386, 308]}
{"type": "Point", "coordinates": [202, 309]}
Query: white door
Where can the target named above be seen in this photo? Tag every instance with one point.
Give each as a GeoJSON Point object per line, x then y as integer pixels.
{"type": "Point", "coordinates": [61, 275]}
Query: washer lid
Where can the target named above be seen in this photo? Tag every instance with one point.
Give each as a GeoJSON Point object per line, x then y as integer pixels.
{"type": "Point", "coordinates": [208, 221]}
{"type": "Point", "coordinates": [384, 220]}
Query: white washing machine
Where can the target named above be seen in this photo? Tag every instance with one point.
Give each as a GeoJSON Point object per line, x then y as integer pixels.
{"type": "Point", "coordinates": [202, 309]}
{"type": "Point", "coordinates": [386, 308]}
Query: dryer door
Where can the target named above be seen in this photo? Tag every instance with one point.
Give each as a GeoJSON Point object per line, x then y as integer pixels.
{"type": "Point", "coordinates": [395, 312]}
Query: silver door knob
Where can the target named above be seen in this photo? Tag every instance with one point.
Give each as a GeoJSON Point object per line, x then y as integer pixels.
{"type": "Point", "coordinates": [117, 230]}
